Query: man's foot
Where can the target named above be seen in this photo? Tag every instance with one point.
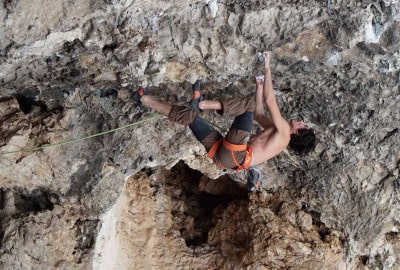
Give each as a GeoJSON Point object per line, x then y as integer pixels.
{"type": "Point", "coordinates": [137, 95]}
{"type": "Point", "coordinates": [194, 104]}
{"type": "Point", "coordinates": [253, 179]}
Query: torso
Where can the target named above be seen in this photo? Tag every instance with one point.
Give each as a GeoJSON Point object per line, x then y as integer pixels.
{"type": "Point", "coordinates": [268, 143]}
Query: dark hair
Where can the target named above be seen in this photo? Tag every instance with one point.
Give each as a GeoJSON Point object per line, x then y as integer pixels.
{"type": "Point", "coordinates": [303, 142]}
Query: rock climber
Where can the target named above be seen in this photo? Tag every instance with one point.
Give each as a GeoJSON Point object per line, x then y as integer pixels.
{"type": "Point", "coordinates": [238, 150]}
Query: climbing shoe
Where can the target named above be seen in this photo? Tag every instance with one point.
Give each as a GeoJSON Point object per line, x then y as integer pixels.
{"type": "Point", "coordinates": [137, 95]}
{"type": "Point", "coordinates": [194, 104]}
{"type": "Point", "coordinates": [253, 179]}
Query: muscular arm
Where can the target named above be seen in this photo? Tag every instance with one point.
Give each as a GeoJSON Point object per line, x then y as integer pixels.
{"type": "Point", "coordinates": [259, 113]}
{"type": "Point", "coordinates": [270, 99]}
{"type": "Point", "coordinates": [276, 134]}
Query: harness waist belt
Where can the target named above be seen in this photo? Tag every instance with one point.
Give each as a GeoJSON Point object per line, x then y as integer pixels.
{"type": "Point", "coordinates": [234, 148]}
{"type": "Point", "coordinates": [214, 149]}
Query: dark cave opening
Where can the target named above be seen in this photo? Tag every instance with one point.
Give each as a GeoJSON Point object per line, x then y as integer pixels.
{"type": "Point", "coordinates": [200, 201]}
{"type": "Point", "coordinates": [85, 235]}
{"type": "Point", "coordinates": [323, 231]}
{"type": "Point", "coordinates": [37, 200]}
{"type": "Point", "coordinates": [2, 199]}
{"type": "Point", "coordinates": [364, 260]}
{"type": "Point", "coordinates": [203, 217]}
{"type": "Point", "coordinates": [26, 103]}
{"type": "Point", "coordinates": [392, 236]}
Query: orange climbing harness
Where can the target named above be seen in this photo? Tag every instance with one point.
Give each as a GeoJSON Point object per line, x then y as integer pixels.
{"type": "Point", "coordinates": [234, 148]}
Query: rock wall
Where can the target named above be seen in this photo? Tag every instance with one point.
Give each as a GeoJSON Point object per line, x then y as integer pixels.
{"type": "Point", "coordinates": [146, 197]}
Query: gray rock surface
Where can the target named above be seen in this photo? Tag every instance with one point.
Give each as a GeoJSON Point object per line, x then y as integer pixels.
{"type": "Point", "coordinates": [146, 197]}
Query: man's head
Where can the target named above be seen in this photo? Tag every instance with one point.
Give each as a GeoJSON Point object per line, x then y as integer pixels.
{"type": "Point", "coordinates": [302, 138]}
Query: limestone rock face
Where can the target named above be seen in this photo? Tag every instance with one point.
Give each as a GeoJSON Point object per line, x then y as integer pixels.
{"type": "Point", "coordinates": [146, 197]}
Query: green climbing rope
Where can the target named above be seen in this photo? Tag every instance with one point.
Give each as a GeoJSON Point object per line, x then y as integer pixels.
{"type": "Point", "coordinates": [80, 139]}
{"type": "Point", "coordinates": [33, 149]}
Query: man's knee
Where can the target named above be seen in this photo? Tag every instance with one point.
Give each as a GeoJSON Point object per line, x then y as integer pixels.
{"type": "Point", "coordinates": [251, 105]}
{"type": "Point", "coordinates": [182, 115]}
{"type": "Point", "coordinates": [200, 128]}
{"type": "Point", "coordinates": [237, 106]}
{"type": "Point", "coordinates": [243, 121]}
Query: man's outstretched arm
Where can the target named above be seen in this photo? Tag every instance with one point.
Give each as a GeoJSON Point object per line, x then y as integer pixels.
{"type": "Point", "coordinates": [259, 113]}
{"type": "Point", "coordinates": [270, 99]}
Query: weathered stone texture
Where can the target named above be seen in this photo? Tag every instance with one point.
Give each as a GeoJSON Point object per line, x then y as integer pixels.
{"type": "Point", "coordinates": [146, 197]}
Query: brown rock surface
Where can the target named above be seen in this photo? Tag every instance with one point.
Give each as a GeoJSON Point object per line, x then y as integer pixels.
{"type": "Point", "coordinates": [146, 197]}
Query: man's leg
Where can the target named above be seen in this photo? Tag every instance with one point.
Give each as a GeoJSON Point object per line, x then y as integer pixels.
{"type": "Point", "coordinates": [239, 133]}
{"type": "Point", "coordinates": [259, 112]}
{"type": "Point", "coordinates": [241, 108]}
{"type": "Point", "coordinates": [210, 105]}
{"type": "Point", "coordinates": [162, 107]}
{"type": "Point", "coordinates": [203, 132]}
{"type": "Point", "coordinates": [228, 107]}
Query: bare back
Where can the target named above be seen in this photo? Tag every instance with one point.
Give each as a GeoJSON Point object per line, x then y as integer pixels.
{"type": "Point", "coordinates": [268, 143]}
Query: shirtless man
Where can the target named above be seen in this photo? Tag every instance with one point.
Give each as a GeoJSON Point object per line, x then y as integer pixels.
{"type": "Point", "coordinates": [238, 150]}
{"type": "Point", "coordinates": [277, 131]}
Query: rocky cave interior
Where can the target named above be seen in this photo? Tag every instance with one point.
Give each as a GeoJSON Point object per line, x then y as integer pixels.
{"type": "Point", "coordinates": [146, 197]}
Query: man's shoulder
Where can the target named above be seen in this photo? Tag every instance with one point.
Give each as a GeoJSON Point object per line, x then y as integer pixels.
{"type": "Point", "coordinates": [273, 136]}
{"type": "Point", "coordinates": [268, 146]}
